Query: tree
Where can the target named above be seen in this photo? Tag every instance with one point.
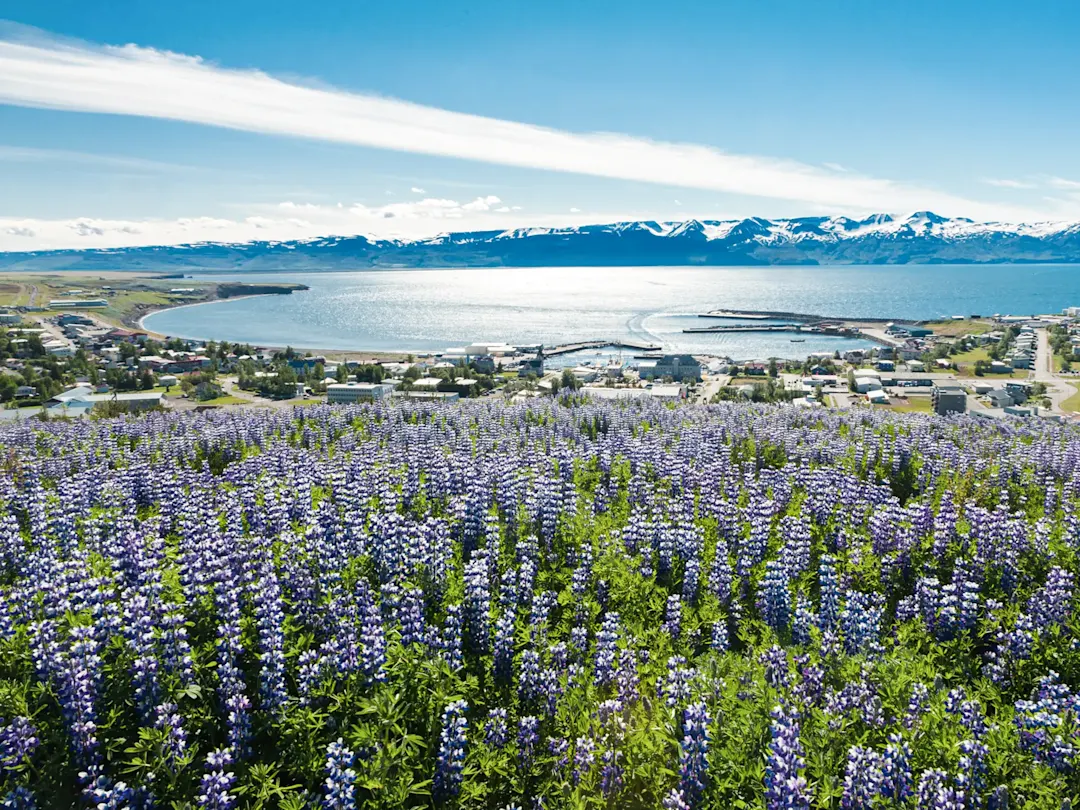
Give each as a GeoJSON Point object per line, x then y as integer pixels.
{"type": "Point", "coordinates": [773, 370]}
{"type": "Point", "coordinates": [568, 380]}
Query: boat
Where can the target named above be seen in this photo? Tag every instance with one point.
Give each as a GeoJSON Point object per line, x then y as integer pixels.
{"type": "Point", "coordinates": [798, 340]}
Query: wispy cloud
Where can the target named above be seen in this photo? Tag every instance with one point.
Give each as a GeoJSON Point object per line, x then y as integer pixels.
{"type": "Point", "coordinates": [131, 80]}
{"type": "Point", "coordinates": [1007, 183]}
{"type": "Point", "coordinates": [31, 154]}
{"type": "Point", "coordinates": [1062, 183]}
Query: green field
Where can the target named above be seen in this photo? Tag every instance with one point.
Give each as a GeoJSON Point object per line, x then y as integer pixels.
{"type": "Point", "coordinates": [952, 328]}
{"type": "Point", "coordinates": [913, 405]}
{"type": "Point", "coordinates": [1072, 404]}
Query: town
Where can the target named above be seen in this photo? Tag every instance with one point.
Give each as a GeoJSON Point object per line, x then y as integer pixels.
{"type": "Point", "coordinates": [66, 361]}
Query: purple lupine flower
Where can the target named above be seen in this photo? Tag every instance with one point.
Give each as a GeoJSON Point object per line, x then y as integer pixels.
{"type": "Point", "coordinates": [451, 637]}
{"type": "Point", "coordinates": [1051, 605]}
{"type": "Point", "coordinates": [785, 786]}
{"type": "Point", "coordinates": [217, 781]}
{"type": "Point", "coordinates": [606, 648]}
{"type": "Point", "coordinates": [529, 686]}
{"type": "Point", "coordinates": [450, 764]}
{"type": "Point", "coordinates": [496, 730]}
{"type": "Point", "coordinates": [19, 798]}
{"type": "Point", "coordinates": [611, 772]}
{"type": "Point", "coordinates": [584, 758]}
{"type": "Point", "coordinates": [693, 768]}
{"type": "Point", "coordinates": [338, 789]}
{"type": "Point", "coordinates": [829, 586]}
{"type": "Point", "coordinates": [774, 596]}
{"type": "Point", "coordinates": [719, 641]}
{"type": "Point", "coordinates": [917, 705]}
{"type": "Point", "coordinates": [863, 779]}
{"type": "Point", "coordinates": [674, 686]}
{"type": "Point", "coordinates": [675, 801]}
{"type": "Point", "coordinates": [18, 739]}
{"type": "Point", "coordinates": [777, 667]}
{"type": "Point", "coordinates": [673, 616]}
{"type": "Point", "coordinates": [896, 775]}
{"type": "Point", "coordinates": [504, 648]}
{"type": "Point", "coordinates": [528, 738]}
{"type": "Point", "coordinates": [168, 719]}
{"type": "Point", "coordinates": [933, 792]}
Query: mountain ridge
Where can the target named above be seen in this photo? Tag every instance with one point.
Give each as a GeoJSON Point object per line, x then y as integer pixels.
{"type": "Point", "coordinates": [922, 237]}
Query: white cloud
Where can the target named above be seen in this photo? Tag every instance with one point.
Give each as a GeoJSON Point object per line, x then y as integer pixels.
{"type": "Point", "coordinates": [130, 80]}
{"type": "Point", "coordinates": [575, 210]}
{"type": "Point", "coordinates": [1007, 183]}
{"type": "Point", "coordinates": [1062, 183]}
{"type": "Point", "coordinates": [416, 190]}
{"type": "Point", "coordinates": [28, 154]}
{"type": "Point", "coordinates": [285, 220]}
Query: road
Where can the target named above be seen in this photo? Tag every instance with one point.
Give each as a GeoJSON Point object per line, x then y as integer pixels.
{"type": "Point", "coordinates": [1057, 390]}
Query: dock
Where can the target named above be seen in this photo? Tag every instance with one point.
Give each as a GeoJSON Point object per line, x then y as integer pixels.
{"type": "Point", "coordinates": [567, 348]}
{"type": "Point", "coordinates": [802, 317]}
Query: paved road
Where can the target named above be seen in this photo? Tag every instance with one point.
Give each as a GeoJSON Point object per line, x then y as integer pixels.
{"type": "Point", "coordinates": [1057, 390]}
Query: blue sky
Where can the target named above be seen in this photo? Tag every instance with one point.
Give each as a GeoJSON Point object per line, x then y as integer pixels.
{"type": "Point", "coordinates": [774, 108]}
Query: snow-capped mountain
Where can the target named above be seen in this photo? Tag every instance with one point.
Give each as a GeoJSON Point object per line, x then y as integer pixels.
{"type": "Point", "coordinates": [922, 237]}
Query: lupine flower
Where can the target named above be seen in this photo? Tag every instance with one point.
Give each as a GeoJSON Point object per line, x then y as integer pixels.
{"type": "Point", "coordinates": [693, 768]}
{"type": "Point", "coordinates": [451, 759]}
{"type": "Point", "coordinates": [217, 782]}
{"type": "Point", "coordinates": [528, 739]}
{"type": "Point", "coordinates": [338, 790]}
{"type": "Point", "coordinates": [785, 786]}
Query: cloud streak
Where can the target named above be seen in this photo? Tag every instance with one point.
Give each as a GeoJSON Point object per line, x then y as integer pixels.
{"type": "Point", "coordinates": [131, 80]}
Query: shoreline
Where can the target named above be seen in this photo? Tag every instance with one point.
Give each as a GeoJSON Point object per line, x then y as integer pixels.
{"type": "Point", "coordinates": [136, 318]}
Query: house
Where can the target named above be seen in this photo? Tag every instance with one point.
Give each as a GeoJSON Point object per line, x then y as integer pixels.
{"type": "Point", "coordinates": [9, 318]}
{"type": "Point", "coordinates": [885, 365]}
{"type": "Point", "coordinates": [998, 367]}
{"type": "Point", "coordinates": [676, 366]}
{"type": "Point", "coordinates": [865, 384]}
{"type": "Point", "coordinates": [357, 392]}
{"type": "Point", "coordinates": [948, 399]}
{"type": "Point", "coordinates": [485, 364]}
{"type": "Point", "coordinates": [24, 391]}
{"type": "Point", "coordinates": [999, 398]}
{"type": "Point", "coordinates": [665, 390]}
{"type": "Point", "coordinates": [916, 365]}
{"type": "Point", "coordinates": [78, 303]}
{"type": "Point", "coordinates": [584, 374]}
{"type": "Point", "coordinates": [877, 397]}
{"type": "Point", "coordinates": [532, 365]}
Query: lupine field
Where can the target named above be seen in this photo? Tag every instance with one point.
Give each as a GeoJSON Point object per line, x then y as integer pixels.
{"type": "Point", "coordinates": [558, 605]}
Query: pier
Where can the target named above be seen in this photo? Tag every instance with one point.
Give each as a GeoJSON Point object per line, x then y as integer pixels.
{"type": "Point", "coordinates": [567, 348]}
{"type": "Point", "coordinates": [802, 317]}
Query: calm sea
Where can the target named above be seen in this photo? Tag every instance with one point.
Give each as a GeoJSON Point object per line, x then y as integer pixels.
{"type": "Point", "coordinates": [424, 310]}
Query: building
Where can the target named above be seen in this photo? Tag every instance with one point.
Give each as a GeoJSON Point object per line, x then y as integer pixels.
{"type": "Point", "coordinates": [677, 366]}
{"type": "Point", "coordinates": [485, 364]}
{"type": "Point", "coordinates": [78, 303]}
{"type": "Point", "coordinates": [1000, 399]}
{"type": "Point", "coordinates": [864, 385]}
{"type": "Point", "coordinates": [24, 391]}
{"type": "Point", "coordinates": [885, 365]}
{"type": "Point", "coordinates": [9, 318]}
{"type": "Point", "coordinates": [877, 397]}
{"type": "Point", "coordinates": [948, 399]}
{"type": "Point", "coordinates": [357, 392]}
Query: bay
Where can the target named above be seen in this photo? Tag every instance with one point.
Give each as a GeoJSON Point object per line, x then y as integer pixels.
{"type": "Point", "coordinates": [431, 310]}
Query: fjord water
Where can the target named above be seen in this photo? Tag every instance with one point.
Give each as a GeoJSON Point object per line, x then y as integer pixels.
{"type": "Point", "coordinates": [424, 310]}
